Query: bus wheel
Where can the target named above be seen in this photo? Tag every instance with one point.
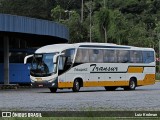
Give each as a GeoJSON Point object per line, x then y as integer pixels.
{"type": "Point", "coordinates": [132, 84]}
{"type": "Point", "coordinates": [53, 90]}
{"type": "Point", "coordinates": [76, 86]}
{"type": "Point", "coordinates": [110, 88]}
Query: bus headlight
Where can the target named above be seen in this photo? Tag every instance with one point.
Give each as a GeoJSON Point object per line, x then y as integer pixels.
{"type": "Point", "coordinates": [51, 80]}
{"type": "Point", "coordinates": [32, 81]}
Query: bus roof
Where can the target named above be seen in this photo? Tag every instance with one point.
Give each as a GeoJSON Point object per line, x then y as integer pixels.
{"type": "Point", "coordinates": [61, 47]}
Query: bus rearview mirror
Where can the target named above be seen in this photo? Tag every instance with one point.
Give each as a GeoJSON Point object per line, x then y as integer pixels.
{"type": "Point", "coordinates": [55, 57]}
{"type": "Point", "coordinates": [25, 59]}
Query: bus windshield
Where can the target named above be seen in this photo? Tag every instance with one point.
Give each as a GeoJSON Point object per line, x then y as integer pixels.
{"type": "Point", "coordinates": [42, 65]}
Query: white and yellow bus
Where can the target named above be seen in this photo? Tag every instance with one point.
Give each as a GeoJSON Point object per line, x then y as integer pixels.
{"type": "Point", "coordinates": [79, 65]}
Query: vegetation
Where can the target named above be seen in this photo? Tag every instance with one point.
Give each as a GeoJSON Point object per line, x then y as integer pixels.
{"type": "Point", "coordinates": [129, 22]}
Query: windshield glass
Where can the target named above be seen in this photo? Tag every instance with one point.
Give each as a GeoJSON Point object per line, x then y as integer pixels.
{"type": "Point", "coordinates": [42, 65]}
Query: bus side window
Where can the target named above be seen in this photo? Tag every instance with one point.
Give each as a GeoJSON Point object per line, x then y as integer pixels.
{"type": "Point", "coordinates": [100, 56]}
{"type": "Point", "coordinates": [61, 63]}
{"type": "Point", "coordinates": [110, 56]}
{"type": "Point", "coordinates": [82, 56]}
{"type": "Point", "coordinates": [70, 54]}
{"type": "Point", "coordinates": [148, 56]}
{"type": "Point", "coordinates": [136, 56]}
{"type": "Point", "coordinates": [96, 55]}
{"type": "Point", "coordinates": [123, 56]}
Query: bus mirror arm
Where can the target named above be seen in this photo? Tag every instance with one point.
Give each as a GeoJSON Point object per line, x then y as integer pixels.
{"type": "Point", "coordinates": [55, 57]}
{"type": "Point", "coordinates": [25, 59]}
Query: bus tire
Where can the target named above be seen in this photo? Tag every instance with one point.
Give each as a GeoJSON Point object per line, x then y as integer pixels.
{"type": "Point", "coordinates": [132, 84]}
{"type": "Point", "coordinates": [110, 88]}
{"type": "Point", "coordinates": [76, 85]}
{"type": "Point", "coordinates": [53, 90]}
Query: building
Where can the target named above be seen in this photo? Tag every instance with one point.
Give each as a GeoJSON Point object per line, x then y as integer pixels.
{"type": "Point", "coordinates": [17, 33]}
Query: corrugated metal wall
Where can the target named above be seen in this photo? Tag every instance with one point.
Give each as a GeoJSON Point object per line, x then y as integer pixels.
{"type": "Point", "coordinates": [13, 23]}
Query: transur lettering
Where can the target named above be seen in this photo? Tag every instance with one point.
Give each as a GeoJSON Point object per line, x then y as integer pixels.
{"type": "Point", "coordinates": [95, 68]}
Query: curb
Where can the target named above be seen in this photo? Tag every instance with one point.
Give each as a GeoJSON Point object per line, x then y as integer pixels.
{"type": "Point", "coordinates": [9, 86]}
{"type": "Point", "coordinates": [25, 87]}
{"type": "Point", "coordinates": [12, 86]}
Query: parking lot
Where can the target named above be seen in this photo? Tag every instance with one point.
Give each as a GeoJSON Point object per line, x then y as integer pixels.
{"type": "Point", "coordinates": [40, 99]}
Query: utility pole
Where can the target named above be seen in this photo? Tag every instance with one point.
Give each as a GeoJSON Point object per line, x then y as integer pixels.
{"type": "Point", "coordinates": [159, 52]}
{"type": "Point", "coordinates": [104, 3]}
{"type": "Point", "coordinates": [158, 36]}
{"type": "Point", "coordinates": [82, 11]}
{"type": "Point", "coordinates": [6, 84]}
{"type": "Point", "coordinates": [90, 14]}
{"type": "Point", "coordinates": [6, 60]}
{"type": "Point", "coordinates": [105, 30]}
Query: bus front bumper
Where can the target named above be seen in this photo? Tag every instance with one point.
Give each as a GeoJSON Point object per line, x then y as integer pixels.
{"type": "Point", "coordinates": [46, 84]}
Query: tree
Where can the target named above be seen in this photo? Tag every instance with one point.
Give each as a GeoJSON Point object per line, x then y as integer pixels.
{"type": "Point", "coordinates": [77, 29]}
{"type": "Point", "coordinates": [69, 4]}
{"type": "Point", "coordinates": [118, 28]}
{"type": "Point", "coordinates": [103, 21]}
{"type": "Point", "coordinates": [129, 22]}
{"type": "Point", "coordinates": [31, 8]}
{"type": "Point", "coordinates": [57, 13]}
{"type": "Point", "coordinates": [137, 36]}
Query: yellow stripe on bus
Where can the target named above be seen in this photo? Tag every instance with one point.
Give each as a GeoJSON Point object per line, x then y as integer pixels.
{"type": "Point", "coordinates": [105, 83]}
{"type": "Point", "coordinates": [135, 70]}
{"type": "Point", "coordinates": [65, 84]}
{"type": "Point", "coordinates": [148, 80]}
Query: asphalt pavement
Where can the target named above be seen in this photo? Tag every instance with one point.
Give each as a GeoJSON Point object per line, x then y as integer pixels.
{"type": "Point", "coordinates": [88, 99]}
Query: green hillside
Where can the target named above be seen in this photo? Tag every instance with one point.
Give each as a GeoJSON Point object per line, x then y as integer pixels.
{"type": "Point", "coordinates": [129, 22]}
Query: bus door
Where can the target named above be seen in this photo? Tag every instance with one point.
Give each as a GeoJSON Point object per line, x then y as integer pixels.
{"type": "Point", "coordinates": [65, 67]}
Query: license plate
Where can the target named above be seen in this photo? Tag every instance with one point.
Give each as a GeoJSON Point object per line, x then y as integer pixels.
{"type": "Point", "coordinates": [39, 79]}
{"type": "Point", "coordinates": [40, 85]}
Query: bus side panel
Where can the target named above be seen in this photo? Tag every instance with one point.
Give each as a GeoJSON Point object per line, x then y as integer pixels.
{"type": "Point", "coordinates": [145, 77]}
{"type": "Point", "coordinates": [72, 75]}
{"type": "Point", "coordinates": [18, 73]}
{"type": "Point", "coordinates": [106, 74]}
{"type": "Point", "coordinates": [67, 79]}
{"type": "Point", "coordinates": [149, 70]}
{"type": "Point", "coordinates": [149, 77]}
{"type": "Point", "coordinates": [107, 79]}
{"type": "Point", "coordinates": [121, 77]}
{"type": "Point", "coordinates": [62, 83]}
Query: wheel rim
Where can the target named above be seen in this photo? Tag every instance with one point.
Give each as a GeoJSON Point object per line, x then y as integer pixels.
{"type": "Point", "coordinates": [132, 85]}
{"type": "Point", "coordinates": [77, 85]}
